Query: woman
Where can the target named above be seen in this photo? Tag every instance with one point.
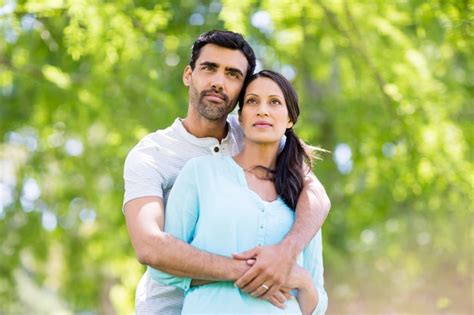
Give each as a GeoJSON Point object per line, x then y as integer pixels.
{"type": "Point", "coordinates": [225, 205]}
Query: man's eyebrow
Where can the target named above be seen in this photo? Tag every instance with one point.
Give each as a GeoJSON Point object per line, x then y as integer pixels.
{"type": "Point", "coordinates": [235, 70]}
{"type": "Point", "coordinates": [208, 63]}
{"type": "Point", "coordinates": [215, 65]}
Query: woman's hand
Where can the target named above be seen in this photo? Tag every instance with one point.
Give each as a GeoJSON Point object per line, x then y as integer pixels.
{"type": "Point", "coordinates": [308, 296]}
{"type": "Point", "coordinates": [299, 278]}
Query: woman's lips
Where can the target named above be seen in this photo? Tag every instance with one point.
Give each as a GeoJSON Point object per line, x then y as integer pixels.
{"type": "Point", "coordinates": [262, 124]}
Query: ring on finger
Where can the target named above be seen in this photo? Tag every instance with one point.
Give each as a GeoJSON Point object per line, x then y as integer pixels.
{"type": "Point", "coordinates": [265, 287]}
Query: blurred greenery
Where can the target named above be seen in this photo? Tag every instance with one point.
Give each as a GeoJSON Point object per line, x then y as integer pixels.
{"type": "Point", "coordinates": [387, 86]}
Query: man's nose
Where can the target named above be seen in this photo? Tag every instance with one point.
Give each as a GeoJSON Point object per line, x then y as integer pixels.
{"type": "Point", "coordinates": [217, 82]}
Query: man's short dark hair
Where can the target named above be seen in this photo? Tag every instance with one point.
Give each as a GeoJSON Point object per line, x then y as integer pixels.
{"type": "Point", "coordinates": [224, 39]}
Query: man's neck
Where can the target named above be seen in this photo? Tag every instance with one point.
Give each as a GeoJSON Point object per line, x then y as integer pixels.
{"type": "Point", "coordinates": [202, 127]}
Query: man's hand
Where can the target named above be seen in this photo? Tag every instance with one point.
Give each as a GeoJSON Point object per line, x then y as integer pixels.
{"type": "Point", "coordinates": [271, 269]}
{"type": "Point", "coordinates": [281, 296]}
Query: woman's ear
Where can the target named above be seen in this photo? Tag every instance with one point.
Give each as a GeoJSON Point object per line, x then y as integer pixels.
{"type": "Point", "coordinates": [187, 75]}
{"type": "Point", "coordinates": [290, 124]}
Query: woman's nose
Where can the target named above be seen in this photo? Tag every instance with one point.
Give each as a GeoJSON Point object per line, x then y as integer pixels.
{"type": "Point", "coordinates": [262, 110]}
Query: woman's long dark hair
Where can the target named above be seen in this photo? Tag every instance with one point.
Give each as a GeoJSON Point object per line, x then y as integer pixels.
{"type": "Point", "coordinates": [289, 172]}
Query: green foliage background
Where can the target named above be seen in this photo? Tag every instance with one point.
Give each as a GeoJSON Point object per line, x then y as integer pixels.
{"type": "Point", "coordinates": [82, 81]}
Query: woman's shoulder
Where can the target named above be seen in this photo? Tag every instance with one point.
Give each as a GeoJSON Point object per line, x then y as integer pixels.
{"type": "Point", "coordinates": [208, 159]}
{"type": "Point", "coordinates": [204, 163]}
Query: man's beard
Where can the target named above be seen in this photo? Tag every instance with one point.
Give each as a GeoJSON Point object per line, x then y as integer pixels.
{"type": "Point", "coordinates": [212, 110]}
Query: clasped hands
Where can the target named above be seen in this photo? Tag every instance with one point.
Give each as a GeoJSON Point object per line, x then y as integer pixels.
{"type": "Point", "coordinates": [269, 276]}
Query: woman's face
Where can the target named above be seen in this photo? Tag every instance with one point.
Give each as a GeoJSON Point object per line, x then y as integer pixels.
{"type": "Point", "coordinates": [264, 116]}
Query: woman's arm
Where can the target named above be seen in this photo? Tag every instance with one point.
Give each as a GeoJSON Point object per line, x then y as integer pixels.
{"type": "Point", "coordinates": [313, 264]}
{"type": "Point", "coordinates": [309, 281]}
{"type": "Point", "coordinates": [307, 296]}
{"type": "Point", "coordinates": [181, 215]}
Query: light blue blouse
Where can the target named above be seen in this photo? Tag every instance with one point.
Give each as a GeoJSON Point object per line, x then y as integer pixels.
{"type": "Point", "coordinates": [212, 208]}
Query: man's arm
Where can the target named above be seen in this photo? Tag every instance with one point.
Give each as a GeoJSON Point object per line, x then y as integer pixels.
{"type": "Point", "coordinates": [311, 211]}
{"type": "Point", "coordinates": [155, 248]}
{"type": "Point", "coordinates": [274, 263]}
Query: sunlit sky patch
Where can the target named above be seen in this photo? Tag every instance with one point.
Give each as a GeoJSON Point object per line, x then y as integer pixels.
{"type": "Point", "coordinates": [343, 158]}
{"type": "Point", "coordinates": [368, 237]}
{"type": "Point", "coordinates": [87, 215]}
{"type": "Point", "coordinates": [215, 6]}
{"type": "Point", "coordinates": [74, 147]}
{"type": "Point", "coordinates": [196, 19]}
{"type": "Point", "coordinates": [263, 21]}
{"type": "Point", "coordinates": [172, 60]}
{"type": "Point", "coordinates": [389, 149]}
{"type": "Point", "coordinates": [49, 220]}
{"type": "Point", "coordinates": [28, 22]}
{"type": "Point", "coordinates": [26, 136]}
{"type": "Point", "coordinates": [288, 71]}
{"type": "Point", "coordinates": [8, 7]}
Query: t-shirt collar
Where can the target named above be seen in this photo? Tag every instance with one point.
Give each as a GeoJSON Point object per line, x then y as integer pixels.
{"type": "Point", "coordinates": [202, 142]}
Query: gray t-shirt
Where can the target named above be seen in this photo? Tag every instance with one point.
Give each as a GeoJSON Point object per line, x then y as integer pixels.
{"type": "Point", "coordinates": [150, 169]}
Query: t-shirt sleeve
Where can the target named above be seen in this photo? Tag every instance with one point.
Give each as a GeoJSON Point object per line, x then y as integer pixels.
{"type": "Point", "coordinates": [313, 262]}
{"type": "Point", "coordinates": [142, 176]}
{"type": "Point", "coordinates": [181, 215]}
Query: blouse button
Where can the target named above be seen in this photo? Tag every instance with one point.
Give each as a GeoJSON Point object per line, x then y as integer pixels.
{"type": "Point", "coordinates": [216, 149]}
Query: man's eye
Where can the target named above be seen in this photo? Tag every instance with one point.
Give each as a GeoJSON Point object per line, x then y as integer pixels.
{"type": "Point", "coordinates": [234, 74]}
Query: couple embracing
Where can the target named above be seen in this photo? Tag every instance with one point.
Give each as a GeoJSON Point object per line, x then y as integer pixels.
{"type": "Point", "coordinates": [224, 209]}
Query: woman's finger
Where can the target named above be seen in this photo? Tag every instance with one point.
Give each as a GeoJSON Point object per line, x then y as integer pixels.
{"type": "Point", "coordinates": [280, 297]}
{"type": "Point", "coordinates": [275, 302]}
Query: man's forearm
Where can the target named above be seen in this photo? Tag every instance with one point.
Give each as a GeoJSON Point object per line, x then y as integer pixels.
{"type": "Point", "coordinates": [311, 211]}
{"type": "Point", "coordinates": [183, 260]}
{"type": "Point", "coordinates": [160, 250]}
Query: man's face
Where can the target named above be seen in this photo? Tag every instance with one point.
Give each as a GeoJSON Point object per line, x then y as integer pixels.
{"type": "Point", "coordinates": [216, 81]}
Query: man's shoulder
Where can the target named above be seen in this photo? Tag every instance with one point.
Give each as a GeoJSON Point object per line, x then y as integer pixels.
{"type": "Point", "coordinates": [156, 140]}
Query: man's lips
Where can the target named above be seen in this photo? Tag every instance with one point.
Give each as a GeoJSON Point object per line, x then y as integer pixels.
{"type": "Point", "coordinates": [215, 97]}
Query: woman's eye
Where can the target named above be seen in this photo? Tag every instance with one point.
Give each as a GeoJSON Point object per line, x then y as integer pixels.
{"type": "Point", "coordinates": [276, 102]}
{"type": "Point", "coordinates": [251, 101]}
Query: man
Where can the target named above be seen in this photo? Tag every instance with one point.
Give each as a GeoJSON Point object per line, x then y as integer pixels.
{"type": "Point", "coordinates": [220, 62]}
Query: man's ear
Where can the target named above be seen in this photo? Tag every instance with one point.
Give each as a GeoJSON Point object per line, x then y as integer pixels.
{"type": "Point", "coordinates": [187, 75]}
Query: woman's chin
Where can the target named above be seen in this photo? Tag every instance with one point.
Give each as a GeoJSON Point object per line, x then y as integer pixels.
{"type": "Point", "coordinates": [263, 140]}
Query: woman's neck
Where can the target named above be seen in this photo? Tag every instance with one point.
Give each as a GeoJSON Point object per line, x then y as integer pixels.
{"type": "Point", "coordinates": [256, 154]}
